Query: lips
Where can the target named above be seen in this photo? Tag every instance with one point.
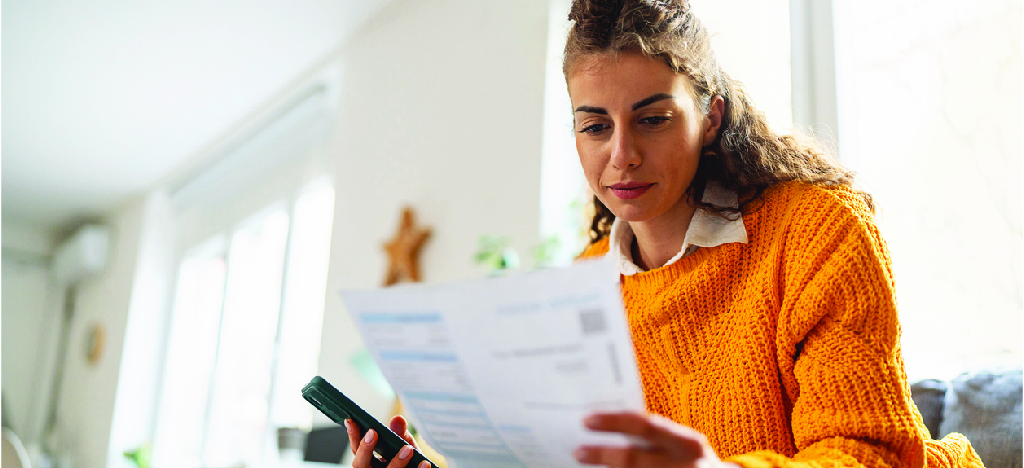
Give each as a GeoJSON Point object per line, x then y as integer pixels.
{"type": "Point", "coordinates": [629, 190]}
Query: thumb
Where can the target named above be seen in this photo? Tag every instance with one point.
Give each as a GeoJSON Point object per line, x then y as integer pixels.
{"type": "Point", "coordinates": [401, 427]}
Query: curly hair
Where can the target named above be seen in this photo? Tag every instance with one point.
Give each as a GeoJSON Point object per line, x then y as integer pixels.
{"type": "Point", "coordinates": [747, 156]}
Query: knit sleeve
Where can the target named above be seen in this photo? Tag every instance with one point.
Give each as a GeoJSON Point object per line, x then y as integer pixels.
{"type": "Point", "coordinates": [838, 347]}
{"type": "Point", "coordinates": [595, 249]}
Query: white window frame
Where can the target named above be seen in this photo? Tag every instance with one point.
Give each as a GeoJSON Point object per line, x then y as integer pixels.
{"type": "Point", "coordinates": [813, 63]}
{"type": "Point", "coordinates": [268, 161]}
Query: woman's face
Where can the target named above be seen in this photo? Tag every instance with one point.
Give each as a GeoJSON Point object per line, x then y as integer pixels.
{"type": "Point", "coordinates": [639, 134]}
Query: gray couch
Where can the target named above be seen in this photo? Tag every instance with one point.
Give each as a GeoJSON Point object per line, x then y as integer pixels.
{"type": "Point", "coordinates": [985, 406]}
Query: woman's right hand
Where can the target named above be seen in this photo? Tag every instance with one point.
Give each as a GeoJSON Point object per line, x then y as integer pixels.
{"type": "Point", "coordinates": [362, 445]}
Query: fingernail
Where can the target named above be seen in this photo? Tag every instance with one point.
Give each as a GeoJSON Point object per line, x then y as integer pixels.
{"type": "Point", "coordinates": [424, 464]}
{"type": "Point", "coordinates": [369, 436]}
{"type": "Point", "coordinates": [581, 454]}
{"type": "Point", "coordinates": [405, 452]}
{"type": "Point", "coordinates": [591, 421]}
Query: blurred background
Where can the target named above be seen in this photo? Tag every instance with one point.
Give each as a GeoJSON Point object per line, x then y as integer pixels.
{"type": "Point", "coordinates": [186, 186]}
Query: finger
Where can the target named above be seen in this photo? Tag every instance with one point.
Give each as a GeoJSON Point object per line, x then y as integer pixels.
{"type": "Point", "coordinates": [401, 427]}
{"type": "Point", "coordinates": [623, 457]}
{"type": "Point", "coordinates": [680, 441]}
{"type": "Point", "coordinates": [353, 435]}
{"type": "Point", "coordinates": [402, 459]}
{"type": "Point", "coordinates": [364, 454]}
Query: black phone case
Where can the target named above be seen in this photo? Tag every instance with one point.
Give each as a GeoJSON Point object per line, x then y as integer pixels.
{"type": "Point", "coordinates": [338, 407]}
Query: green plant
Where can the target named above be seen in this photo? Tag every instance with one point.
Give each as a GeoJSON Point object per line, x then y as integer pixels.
{"type": "Point", "coordinates": [141, 456]}
{"type": "Point", "coordinates": [495, 254]}
{"type": "Point", "coordinates": [544, 253]}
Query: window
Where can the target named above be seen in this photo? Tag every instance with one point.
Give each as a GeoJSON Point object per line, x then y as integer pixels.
{"type": "Point", "coordinates": [245, 335]}
{"type": "Point", "coordinates": [930, 118]}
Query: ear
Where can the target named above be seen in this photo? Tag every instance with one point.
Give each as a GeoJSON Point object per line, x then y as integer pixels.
{"type": "Point", "coordinates": [716, 109]}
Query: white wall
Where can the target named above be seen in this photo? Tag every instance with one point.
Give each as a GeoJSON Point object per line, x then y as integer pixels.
{"type": "Point", "coordinates": [25, 288]}
{"type": "Point", "coordinates": [441, 108]}
{"type": "Point", "coordinates": [86, 405]}
{"type": "Point", "coordinates": [30, 325]}
{"type": "Point", "coordinates": [136, 279]}
{"type": "Point", "coordinates": [20, 237]}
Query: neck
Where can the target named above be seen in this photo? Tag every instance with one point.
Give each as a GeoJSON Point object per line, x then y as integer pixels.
{"type": "Point", "coordinates": [657, 240]}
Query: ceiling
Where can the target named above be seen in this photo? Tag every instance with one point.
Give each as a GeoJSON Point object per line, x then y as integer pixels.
{"type": "Point", "coordinates": [101, 100]}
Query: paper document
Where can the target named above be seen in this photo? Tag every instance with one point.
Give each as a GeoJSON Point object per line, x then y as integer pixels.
{"type": "Point", "coordinates": [501, 372]}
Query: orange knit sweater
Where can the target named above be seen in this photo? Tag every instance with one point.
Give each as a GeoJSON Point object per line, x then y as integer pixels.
{"type": "Point", "coordinates": [785, 351]}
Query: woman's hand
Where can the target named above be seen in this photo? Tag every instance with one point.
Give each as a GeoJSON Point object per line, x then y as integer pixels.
{"type": "Point", "coordinates": [668, 444]}
{"type": "Point", "coordinates": [362, 446]}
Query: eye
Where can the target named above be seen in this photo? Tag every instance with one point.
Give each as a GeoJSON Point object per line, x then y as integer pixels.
{"type": "Point", "coordinates": [594, 129]}
{"type": "Point", "coordinates": [655, 120]}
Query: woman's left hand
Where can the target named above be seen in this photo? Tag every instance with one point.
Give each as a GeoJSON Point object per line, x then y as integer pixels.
{"type": "Point", "coordinates": [668, 444]}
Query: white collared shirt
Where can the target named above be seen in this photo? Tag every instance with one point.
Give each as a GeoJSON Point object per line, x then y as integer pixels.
{"type": "Point", "coordinates": [706, 230]}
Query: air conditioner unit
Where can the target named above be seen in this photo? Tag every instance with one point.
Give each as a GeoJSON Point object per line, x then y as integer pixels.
{"type": "Point", "coordinates": [85, 253]}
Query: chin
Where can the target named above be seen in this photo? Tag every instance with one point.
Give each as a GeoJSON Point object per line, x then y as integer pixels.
{"type": "Point", "coordinates": [630, 214]}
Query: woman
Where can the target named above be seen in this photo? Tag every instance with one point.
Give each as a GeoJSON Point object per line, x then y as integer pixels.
{"type": "Point", "coordinates": [758, 290]}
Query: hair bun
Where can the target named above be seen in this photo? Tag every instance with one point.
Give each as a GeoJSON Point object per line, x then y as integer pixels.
{"type": "Point", "coordinates": [595, 19]}
{"type": "Point", "coordinates": [597, 22]}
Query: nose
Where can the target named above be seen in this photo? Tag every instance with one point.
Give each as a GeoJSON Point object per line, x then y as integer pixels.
{"type": "Point", "coordinates": [625, 154]}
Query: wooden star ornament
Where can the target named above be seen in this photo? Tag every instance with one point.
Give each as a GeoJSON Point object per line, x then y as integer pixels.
{"type": "Point", "coordinates": [404, 250]}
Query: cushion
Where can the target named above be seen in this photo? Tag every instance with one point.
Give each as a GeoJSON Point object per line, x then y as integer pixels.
{"type": "Point", "coordinates": [986, 407]}
{"type": "Point", "coordinates": [929, 396]}
{"type": "Point", "coordinates": [326, 444]}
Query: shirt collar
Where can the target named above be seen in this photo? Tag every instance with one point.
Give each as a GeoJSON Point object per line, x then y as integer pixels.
{"type": "Point", "coordinates": [706, 230]}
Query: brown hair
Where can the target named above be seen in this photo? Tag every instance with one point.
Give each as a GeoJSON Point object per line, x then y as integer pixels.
{"type": "Point", "coordinates": [747, 156]}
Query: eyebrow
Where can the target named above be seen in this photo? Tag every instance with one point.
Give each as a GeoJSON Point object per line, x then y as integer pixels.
{"type": "Point", "coordinates": [651, 100]}
{"type": "Point", "coordinates": [641, 103]}
{"type": "Point", "coordinates": [592, 110]}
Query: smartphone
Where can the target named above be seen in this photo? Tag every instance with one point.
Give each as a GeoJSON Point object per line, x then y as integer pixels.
{"type": "Point", "coordinates": [338, 407]}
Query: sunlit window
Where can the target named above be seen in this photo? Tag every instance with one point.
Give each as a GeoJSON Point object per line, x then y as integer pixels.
{"type": "Point", "coordinates": [239, 404]}
{"type": "Point", "coordinates": [303, 309]}
{"type": "Point", "coordinates": [245, 335]}
{"type": "Point", "coordinates": [751, 39]}
{"type": "Point", "coordinates": [191, 355]}
{"type": "Point", "coordinates": [931, 118]}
